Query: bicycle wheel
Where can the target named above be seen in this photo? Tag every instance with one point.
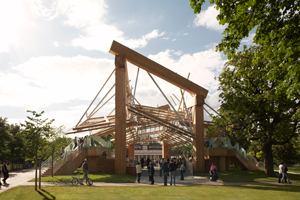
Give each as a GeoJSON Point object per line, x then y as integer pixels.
{"type": "Point", "coordinates": [75, 181]}
{"type": "Point", "coordinates": [89, 182]}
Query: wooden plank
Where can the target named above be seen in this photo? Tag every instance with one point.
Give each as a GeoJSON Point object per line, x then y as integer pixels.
{"type": "Point", "coordinates": [157, 69]}
{"type": "Point", "coordinates": [120, 106]}
{"type": "Point", "coordinates": [198, 143]}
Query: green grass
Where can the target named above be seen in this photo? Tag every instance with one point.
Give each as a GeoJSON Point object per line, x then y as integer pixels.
{"type": "Point", "coordinates": [106, 178]}
{"type": "Point", "coordinates": [141, 192]}
{"type": "Point", "coordinates": [248, 176]}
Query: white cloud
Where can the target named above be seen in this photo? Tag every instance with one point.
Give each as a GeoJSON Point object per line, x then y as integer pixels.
{"type": "Point", "coordinates": [248, 40]}
{"type": "Point", "coordinates": [11, 20]}
{"type": "Point", "coordinates": [208, 19]}
{"type": "Point", "coordinates": [44, 81]}
{"type": "Point", "coordinates": [100, 38]}
{"type": "Point", "coordinates": [89, 16]}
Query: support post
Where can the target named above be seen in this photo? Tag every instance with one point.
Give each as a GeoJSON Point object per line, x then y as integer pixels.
{"type": "Point", "coordinates": [165, 151]}
{"type": "Point", "coordinates": [198, 128]}
{"type": "Point", "coordinates": [120, 115]}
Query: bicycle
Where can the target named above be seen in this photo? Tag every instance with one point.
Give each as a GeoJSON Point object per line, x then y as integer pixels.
{"type": "Point", "coordinates": [76, 181]}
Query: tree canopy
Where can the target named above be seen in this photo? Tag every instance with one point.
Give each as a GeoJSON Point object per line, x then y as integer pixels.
{"type": "Point", "coordinates": [277, 29]}
{"type": "Point", "coordinates": [252, 108]}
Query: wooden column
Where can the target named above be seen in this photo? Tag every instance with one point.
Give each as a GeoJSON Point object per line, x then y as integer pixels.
{"type": "Point", "coordinates": [165, 150]}
{"type": "Point", "coordinates": [120, 106]}
{"type": "Point", "coordinates": [131, 151]}
{"type": "Point", "coordinates": [198, 128]}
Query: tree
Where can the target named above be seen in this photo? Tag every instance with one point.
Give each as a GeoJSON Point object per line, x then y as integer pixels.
{"type": "Point", "coordinates": [15, 143]}
{"type": "Point", "coordinates": [35, 133]}
{"type": "Point", "coordinates": [277, 26]}
{"type": "Point", "coordinates": [4, 137]}
{"type": "Point", "coordinates": [252, 107]}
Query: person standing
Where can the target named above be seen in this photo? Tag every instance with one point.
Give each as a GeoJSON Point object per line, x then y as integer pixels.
{"type": "Point", "coordinates": [152, 172]}
{"type": "Point", "coordinates": [280, 172]}
{"type": "Point", "coordinates": [62, 151]}
{"type": "Point", "coordinates": [75, 142]}
{"type": "Point", "coordinates": [5, 172]}
{"type": "Point", "coordinates": [138, 171]}
{"type": "Point", "coordinates": [182, 169]}
{"type": "Point", "coordinates": [142, 162]}
{"type": "Point", "coordinates": [165, 170]}
{"type": "Point", "coordinates": [172, 169]}
{"type": "Point", "coordinates": [149, 168]}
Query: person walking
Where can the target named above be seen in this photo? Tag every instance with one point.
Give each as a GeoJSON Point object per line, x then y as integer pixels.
{"type": "Point", "coordinates": [152, 172]}
{"type": "Point", "coordinates": [165, 170]}
{"type": "Point", "coordinates": [138, 171]}
{"type": "Point", "coordinates": [285, 175]}
{"type": "Point", "coordinates": [5, 172]}
{"type": "Point", "coordinates": [172, 169]}
{"type": "Point", "coordinates": [85, 170]}
{"type": "Point", "coordinates": [280, 172]}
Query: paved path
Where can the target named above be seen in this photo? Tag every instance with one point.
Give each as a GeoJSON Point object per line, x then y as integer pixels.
{"type": "Point", "coordinates": [23, 176]}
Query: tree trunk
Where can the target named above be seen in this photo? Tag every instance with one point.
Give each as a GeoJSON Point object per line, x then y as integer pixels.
{"type": "Point", "coordinates": [268, 159]}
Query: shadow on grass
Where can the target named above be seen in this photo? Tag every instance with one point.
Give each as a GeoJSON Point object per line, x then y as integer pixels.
{"type": "Point", "coordinates": [248, 176]}
{"type": "Point", "coordinates": [44, 196]}
{"type": "Point", "coordinates": [279, 188]}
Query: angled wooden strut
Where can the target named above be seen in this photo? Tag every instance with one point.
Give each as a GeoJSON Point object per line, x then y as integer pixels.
{"type": "Point", "coordinates": [157, 69]}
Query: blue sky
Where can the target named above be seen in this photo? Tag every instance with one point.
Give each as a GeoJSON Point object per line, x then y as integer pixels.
{"type": "Point", "coordinates": [54, 54]}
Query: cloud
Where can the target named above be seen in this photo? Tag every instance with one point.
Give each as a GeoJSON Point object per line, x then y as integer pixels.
{"type": "Point", "coordinates": [11, 20]}
{"type": "Point", "coordinates": [101, 36]}
{"type": "Point", "coordinates": [43, 81]}
{"type": "Point", "coordinates": [248, 40]}
{"type": "Point", "coordinates": [89, 17]}
{"type": "Point", "coordinates": [208, 19]}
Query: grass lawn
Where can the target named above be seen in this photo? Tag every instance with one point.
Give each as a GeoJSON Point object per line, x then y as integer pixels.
{"type": "Point", "coordinates": [106, 178]}
{"type": "Point", "coordinates": [141, 192]}
{"type": "Point", "coordinates": [235, 175]}
{"type": "Point", "coordinates": [96, 177]}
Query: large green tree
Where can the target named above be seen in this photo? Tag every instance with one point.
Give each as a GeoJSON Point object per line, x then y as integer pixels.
{"type": "Point", "coordinates": [277, 28]}
{"type": "Point", "coordinates": [4, 137]}
{"type": "Point", "coordinates": [252, 107]}
{"type": "Point", "coordinates": [15, 143]}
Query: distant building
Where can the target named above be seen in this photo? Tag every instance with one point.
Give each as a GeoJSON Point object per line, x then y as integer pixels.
{"type": "Point", "coordinates": [147, 149]}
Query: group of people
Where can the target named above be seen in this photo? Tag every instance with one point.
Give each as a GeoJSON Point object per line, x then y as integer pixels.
{"type": "Point", "coordinates": [4, 170]}
{"type": "Point", "coordinates": [79, 142]}
{"type": "Point", "coordinates": [283, 176]}
{"type": "Point", "coordinates": [167, 168]}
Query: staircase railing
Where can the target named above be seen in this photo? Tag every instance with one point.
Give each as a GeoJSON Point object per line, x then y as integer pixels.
{"type": "Point", "coordinates": [71, 151]}
{"type": "Point", "coordinates": [222, 142]}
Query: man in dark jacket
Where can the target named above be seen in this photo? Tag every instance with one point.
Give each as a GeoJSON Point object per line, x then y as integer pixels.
{"type": "Point", "coordinates": [151, 172]}
{"type": "Point", "coordinates": [5, 172]}
{"type": "Point", "coordinates": [172, 168]}
{"type": "Point", "coordinates": [165, 169]}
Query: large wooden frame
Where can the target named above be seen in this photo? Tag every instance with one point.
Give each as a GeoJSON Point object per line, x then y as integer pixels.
{"type": "Point", "coordinates": [123, 53]}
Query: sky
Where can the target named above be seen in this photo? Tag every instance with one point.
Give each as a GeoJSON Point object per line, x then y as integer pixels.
{"type": "Point", "coordinates": [54, 54]}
